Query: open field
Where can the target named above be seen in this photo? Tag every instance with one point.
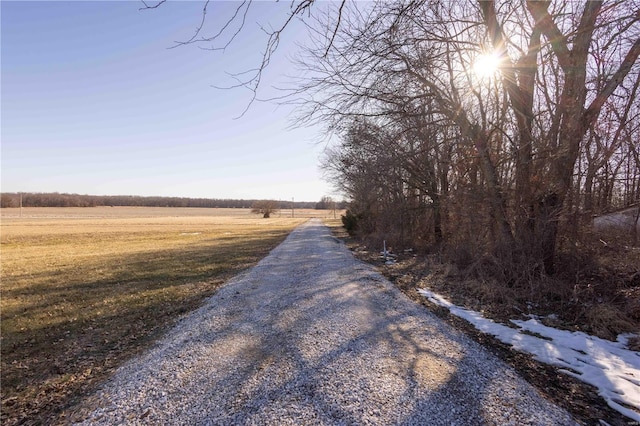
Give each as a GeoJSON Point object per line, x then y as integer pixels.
{"type": "Point", "coordinates": [84, 289]}
{"type": "Point", "coordinates": [142, 212]}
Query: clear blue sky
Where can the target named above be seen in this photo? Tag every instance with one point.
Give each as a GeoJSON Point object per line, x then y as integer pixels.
{"type": "Point", "coordinates": [94, 102]}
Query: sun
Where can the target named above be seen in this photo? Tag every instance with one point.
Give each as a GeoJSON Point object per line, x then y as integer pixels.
{"type": "Point", "coordinates": [486, 65]}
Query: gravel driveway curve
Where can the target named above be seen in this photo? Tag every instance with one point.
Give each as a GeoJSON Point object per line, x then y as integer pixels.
{"type": "Point", "coordinates": [313, 336]}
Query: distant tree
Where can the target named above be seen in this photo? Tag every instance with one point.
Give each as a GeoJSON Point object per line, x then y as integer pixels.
{"type": "Point", "coordinates": [9, 200]}
{"type": "Point", "coordinates": [326, 203]}
{"type": "Point", "coordinates": [265, 208]}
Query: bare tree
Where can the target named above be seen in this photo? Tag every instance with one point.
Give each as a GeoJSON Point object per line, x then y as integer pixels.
{"type": "Point", "coordinates": [568, 40]}
{"type": "Point", "coordinates": [409, 64]}
{"type": "Point", "coordinates": [265, 207]}
{"type": "Point", "coordinates": [399, 54]}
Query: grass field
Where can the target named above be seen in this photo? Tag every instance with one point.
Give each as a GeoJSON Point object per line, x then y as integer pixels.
{"type": "Point", "coordinates": [85, 289]}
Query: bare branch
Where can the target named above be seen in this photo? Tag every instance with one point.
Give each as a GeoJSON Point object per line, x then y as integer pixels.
{"type": "Point", "coordinates": [538, 10]}
{"type": "Point", "coordinates": [594, 108]}
{"type": "Point", "coordinates": [336, 28]}
{"type": "Point", "coordinates": [246, 4]}
{"type": "Point", "coordinates": [146, 6]}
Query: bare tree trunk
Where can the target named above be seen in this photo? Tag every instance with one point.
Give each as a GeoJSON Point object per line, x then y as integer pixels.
{"type": "Point", "coordinates": [496, 200]}
{"type": "Point", "coordinates": [547, 219]}
{"type": "Point", "coordinates": [519, 80]}
{"type": "Point", "coordinates": [636, 224]}
{"type": "Point", "coordinates": [437, 222]}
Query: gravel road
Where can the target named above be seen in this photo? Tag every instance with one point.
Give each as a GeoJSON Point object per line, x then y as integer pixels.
{"type": "Point", "coordinates": [313, 336]}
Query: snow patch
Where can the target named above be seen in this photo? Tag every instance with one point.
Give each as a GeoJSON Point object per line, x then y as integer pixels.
{"type": "Point", "coordinates": [609, 366]}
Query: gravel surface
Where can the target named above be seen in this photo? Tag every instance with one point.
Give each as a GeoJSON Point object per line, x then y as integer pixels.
{"type": "Point", "coordinates": [313, 336]}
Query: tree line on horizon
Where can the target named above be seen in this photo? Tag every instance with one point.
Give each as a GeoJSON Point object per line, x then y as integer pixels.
{"type": "Point", "coordinates": [55, 199]}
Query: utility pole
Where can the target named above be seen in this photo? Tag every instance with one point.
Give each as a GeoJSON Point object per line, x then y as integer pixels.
{"type": "Point", "coordinates": [21, 204]}
{"type": "Point", "coordinates": [292, 205]}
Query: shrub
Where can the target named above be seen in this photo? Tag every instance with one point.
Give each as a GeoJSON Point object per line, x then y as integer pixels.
{"type": "Point", "coordinates": [350, 222]}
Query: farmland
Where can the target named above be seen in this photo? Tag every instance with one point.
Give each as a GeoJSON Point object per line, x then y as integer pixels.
{"type": "Point", "coordinates": [84, 289]}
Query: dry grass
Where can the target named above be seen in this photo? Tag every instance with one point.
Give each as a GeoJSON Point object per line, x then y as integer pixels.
{"type": "Point", "coordinates": [82, 294]}
{"type": "Point", "coordinates": [597, 292]}
{"type": "Point", "coordinates": [144, 212]}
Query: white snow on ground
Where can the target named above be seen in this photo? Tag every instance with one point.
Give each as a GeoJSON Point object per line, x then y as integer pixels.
{"type": "Point", "coordinates": [609, 366]}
